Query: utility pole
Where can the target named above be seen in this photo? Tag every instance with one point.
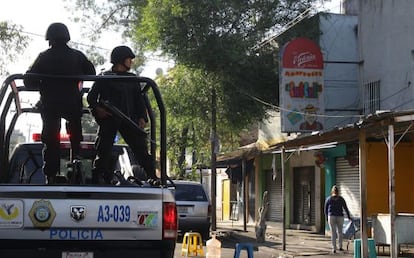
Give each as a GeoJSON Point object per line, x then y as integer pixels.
{"type": "Point", "coordinates": [282, 157]}
{"type": "Point", "coordinates": [213, 139]}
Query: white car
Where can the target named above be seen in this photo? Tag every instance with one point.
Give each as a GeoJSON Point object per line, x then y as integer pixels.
{"type": "Point", "coordinates": [193, 208]}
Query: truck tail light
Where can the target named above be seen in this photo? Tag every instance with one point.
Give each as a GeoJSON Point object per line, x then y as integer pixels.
{"type": "Point", "coordinates": [170, 225]}
{"type": "Point", "coordinates": [37, 137]}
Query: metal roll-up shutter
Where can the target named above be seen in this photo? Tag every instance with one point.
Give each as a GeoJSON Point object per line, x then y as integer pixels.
{"type": "Point", "coordinates": [274, 188]}
{"type": "Point", "coordinates": [304, 196]}
{"type": "Point", "coordinates": [347, 179]}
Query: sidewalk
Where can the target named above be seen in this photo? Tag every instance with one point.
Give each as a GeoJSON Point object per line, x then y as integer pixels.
{"type": "Point", "coordinates": [298, 243]}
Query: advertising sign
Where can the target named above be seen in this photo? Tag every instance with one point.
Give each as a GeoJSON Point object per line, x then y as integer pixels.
{"type": "Point", "coordinates": [301, 87]}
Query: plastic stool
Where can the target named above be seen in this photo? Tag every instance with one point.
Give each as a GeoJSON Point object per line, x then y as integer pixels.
{"type": "Point", "coordinates": [241, 246]}
{"type": "Point", "coordinates": [372, 253]}
{"type": "Point", "coordinates": [192, 244]}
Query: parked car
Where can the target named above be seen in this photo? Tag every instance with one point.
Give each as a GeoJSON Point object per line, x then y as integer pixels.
{"type": "Point", "coordinates": [193, 207]}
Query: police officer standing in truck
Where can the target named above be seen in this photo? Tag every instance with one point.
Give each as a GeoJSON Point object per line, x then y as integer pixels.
{"type": "Point", "coordinates": [59, 98]}
{"type": "Point", "coordinates": [125, 95]}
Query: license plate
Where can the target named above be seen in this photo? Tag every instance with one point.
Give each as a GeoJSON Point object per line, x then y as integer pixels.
{"type": "Point", "coordinates": [77, 254]}
{"type": "Point", "coordinates": [182, 209]}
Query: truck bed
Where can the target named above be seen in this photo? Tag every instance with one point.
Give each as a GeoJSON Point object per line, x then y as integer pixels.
{"type": "Point", "coordinates": [126, 217]}
{"type": "Point", "coordinates": [43, 220]}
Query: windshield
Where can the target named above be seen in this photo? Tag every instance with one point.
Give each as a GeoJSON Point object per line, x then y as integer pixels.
{"type": "Point", "coordinates": [189, 192]}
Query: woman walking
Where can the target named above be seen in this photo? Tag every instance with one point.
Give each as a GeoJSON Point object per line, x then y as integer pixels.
{"type": "Point", "coordinates": [335, 206]}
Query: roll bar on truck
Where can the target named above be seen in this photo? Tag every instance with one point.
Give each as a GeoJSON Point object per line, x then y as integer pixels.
{"type": "Point", "coordinates": [82, 220]}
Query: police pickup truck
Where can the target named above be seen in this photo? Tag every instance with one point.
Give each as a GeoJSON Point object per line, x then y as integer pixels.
{"type": "Point", "coordinates": [75, 218]}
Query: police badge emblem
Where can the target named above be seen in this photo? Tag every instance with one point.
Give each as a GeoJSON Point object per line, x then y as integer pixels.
{"type": "Point", "coordinates": [42, 214]}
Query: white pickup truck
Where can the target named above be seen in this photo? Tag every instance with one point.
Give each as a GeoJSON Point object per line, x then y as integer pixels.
{"type": "Point", "coordinates": [75, 218]}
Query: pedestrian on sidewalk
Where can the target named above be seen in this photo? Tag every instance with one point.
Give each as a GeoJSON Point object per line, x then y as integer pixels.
{"type": "Point", "coordinates": [335, 206]}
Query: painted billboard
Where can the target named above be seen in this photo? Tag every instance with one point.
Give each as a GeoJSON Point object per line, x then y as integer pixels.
{"type": "Point", "coordinates": [301, 87]}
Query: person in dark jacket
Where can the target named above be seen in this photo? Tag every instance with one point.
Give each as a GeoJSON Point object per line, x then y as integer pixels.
{"type": "Point", "coordinates": [59, 98]}
{"type": "Point", "coordinates": [126, 95]}
{"type": "Point", "coordinates": [335, 206]}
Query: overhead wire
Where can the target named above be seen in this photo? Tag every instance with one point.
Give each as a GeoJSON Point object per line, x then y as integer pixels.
{"type": "Point", "coordinates": [149, 57]}
{"type": "Point", "coordinates": [75, 42]}
{"type": "Point", "coordinates": [305, 14]}
{"type": "Point", "coordinates": [279, 108]}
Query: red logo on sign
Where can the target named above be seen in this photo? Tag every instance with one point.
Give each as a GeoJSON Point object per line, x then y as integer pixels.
{"type": "Point", "coordinates": [302, 53]}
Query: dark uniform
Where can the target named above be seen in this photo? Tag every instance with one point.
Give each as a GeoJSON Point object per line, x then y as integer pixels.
{"type": "Point", "coordinates": [127, 97]}
{"type": "Point", "coordinates": [59, 98]}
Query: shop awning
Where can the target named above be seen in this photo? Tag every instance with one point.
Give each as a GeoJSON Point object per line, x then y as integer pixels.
{"type": "Point", "coordinates": [375, 125]}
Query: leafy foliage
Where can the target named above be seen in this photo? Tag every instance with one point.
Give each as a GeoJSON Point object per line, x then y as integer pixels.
{"type": "Point", "coordinates": [187, 95]}
{"type": "Point", "coordinates": [212, 34]}
{"type": "Point", "coordinates": [220, 38]}
{"type": "Point", "coordinates": [215, 45]}
{"type": "Point", "coordinates": [12, 43]}
{"type": "Point", "coordinates": [98, 17]}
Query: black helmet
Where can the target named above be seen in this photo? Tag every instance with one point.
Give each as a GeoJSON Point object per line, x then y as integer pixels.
{"type": "Point", "coordinates": [57, 31]}
{"type": "Point", "coordinates": [120, 53]}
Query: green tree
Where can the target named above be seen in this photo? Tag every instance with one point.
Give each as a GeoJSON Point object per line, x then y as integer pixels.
{"type": "Point", "coordinates": [187, 95]}
{"type": "Point", "coordinates": [215, 45]}
{"type": "Point", "coordinates": [12, 43]}
{"type": "Point", "coordinates": [220, 37]}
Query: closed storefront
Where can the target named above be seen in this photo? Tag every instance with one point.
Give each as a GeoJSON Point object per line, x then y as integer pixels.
{"type": "Point", "coordinates": [304, 196]}
{"type": "Point", "coordinates": [274, 189]}
{"type": "Point", "coordinates": [347, 179]}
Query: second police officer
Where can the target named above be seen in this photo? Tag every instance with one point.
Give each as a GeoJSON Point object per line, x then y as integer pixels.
{"type": "Point", "coordinates": [125, 95]}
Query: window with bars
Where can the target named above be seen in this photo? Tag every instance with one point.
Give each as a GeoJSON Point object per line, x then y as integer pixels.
{"type": "Point", "coordinates": [372, 97]}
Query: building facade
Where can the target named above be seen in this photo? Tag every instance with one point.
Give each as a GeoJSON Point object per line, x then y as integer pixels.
{"type": "Point", "coordinates": [386, 42]}
{"type": "Point", "coordinates": [368, 73]}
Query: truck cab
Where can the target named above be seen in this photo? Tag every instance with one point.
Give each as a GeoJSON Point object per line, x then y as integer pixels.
{"type": "Point", "coordinates": [75, 218]}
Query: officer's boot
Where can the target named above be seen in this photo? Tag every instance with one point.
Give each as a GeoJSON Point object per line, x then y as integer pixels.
{"type": "Point", "coordinates": [51, 180]}
{"type": "Point", "coordinates": [97, 178]}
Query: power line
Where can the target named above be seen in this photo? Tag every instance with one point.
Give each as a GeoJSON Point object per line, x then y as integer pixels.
{"type": "Point", "coordinates": [149, 57]}
{"type": "Point", "coordinates": [298, 112]}
{"type": "Point", "coordinates": [305, 14]}
{"type": "Point", "coordinates": [278, 108]}
{"type": "Point", "coordinates": [75, 42]}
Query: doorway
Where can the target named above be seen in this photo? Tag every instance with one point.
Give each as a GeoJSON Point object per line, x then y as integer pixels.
{"type": "Point", "coordinates": [304, 197]}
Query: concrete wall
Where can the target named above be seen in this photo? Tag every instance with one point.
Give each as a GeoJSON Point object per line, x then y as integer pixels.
{"type": "Point", "coordinates": [270, 131]}
{"type": "Point", "coordinates": [377, 178]}
{"type": "Point", "coordinates": [339, 46]}
{"type": "Point", "coordinates": [387, 40]}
